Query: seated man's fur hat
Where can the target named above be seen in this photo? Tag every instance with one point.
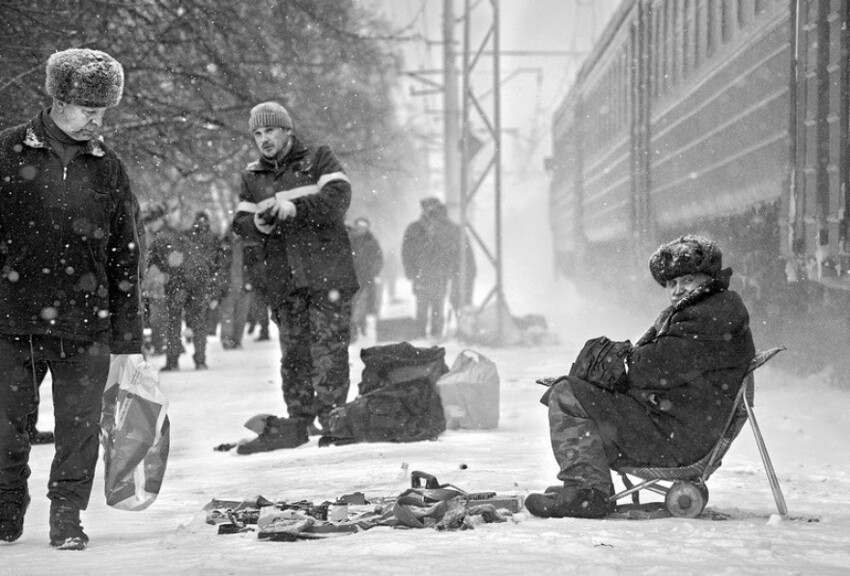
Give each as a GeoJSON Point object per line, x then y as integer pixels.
{"type": "Point", "coordinates": [687, 254]}
{"type": "Point", "coordinates": [84, 77]}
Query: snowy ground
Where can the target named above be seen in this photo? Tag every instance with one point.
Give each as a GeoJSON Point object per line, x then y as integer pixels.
{"type": "Point", "coordinates": [804, 422]}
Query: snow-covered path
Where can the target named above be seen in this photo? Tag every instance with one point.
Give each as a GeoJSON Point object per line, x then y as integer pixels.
{"type": "Point", "coordinates": [804, 421]}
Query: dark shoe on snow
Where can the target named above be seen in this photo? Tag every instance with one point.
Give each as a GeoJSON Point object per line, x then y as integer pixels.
{"type": "Point", "coordinates": [13, 507]}
{"type": "Point", "coordinates": [170, 367]}
{"type": "Point", "coordinates": [39, 437]}
{"type": "Point", "coordinates": [66, 533]}
{"type": "Point", "coordinates": [278, 433]}
{"type": "Point", "coordinates": [569, 503]}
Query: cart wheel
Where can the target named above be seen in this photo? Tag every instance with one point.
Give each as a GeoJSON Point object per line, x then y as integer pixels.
{"type": "Point", "coordinates": [686, 499]}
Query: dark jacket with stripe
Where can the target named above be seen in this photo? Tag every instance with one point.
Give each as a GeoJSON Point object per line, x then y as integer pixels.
{"type": "Point", "coordinates": [69, 243]}
{"type": "Point", "coordinates": [312, 249]}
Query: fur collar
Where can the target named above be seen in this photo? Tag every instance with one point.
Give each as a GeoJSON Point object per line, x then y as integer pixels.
{"type": "Point", "coordinates": [35, 139]}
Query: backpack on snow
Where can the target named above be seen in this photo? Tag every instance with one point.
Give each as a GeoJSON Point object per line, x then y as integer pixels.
{"type": "Point", "coordinates": [398, 400]}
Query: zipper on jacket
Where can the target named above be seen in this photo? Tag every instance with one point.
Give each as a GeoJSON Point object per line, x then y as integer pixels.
{"type": "Point", "coordinates": [34, 378]}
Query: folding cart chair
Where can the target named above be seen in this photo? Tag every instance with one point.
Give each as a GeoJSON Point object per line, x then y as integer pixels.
{"type": "Point", "coordinates": [684, 489]}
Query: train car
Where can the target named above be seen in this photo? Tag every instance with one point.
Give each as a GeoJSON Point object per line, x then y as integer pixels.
{"type": "Point", "coordinates": [722, 117]}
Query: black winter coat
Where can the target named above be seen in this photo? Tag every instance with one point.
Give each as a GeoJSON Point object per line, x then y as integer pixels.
{"type": "Point", "coordinates": [430, 254]}
{"type": "Point", "coordinates": [167, 251]}
{"type": "Point", "coordinates": [312, 249]}
{"type": "Point", "coordinates": [683, 375]}
{"type": "Point", "coordinates": [203, 268]}
{"type": "Point", "coordinates": [368, 257]}
{"type": "Point", "coordinates": [69, 243]}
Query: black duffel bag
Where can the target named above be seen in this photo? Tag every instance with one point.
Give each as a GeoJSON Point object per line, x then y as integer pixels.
{"type": "Point", "coordinates": [398, 400]}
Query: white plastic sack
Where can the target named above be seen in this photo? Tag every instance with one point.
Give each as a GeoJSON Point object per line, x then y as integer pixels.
{"type": "Point", "coordinates": [134, 433]}
{"type": "Point", "coordinates": [469, 392]}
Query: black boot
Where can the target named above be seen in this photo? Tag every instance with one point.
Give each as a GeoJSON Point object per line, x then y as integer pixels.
{"type": "Point", "coordinates": [13, 507]}
{"type": "Point", "coordinates": [278, 433]}
{"type": "Point", "coordinates": [171, 365]}
{"type": "Point", "coordinates": [559, 502]}
{"type": "Point", "coordinates": [41, 437]}
{"type": "Point", "coordinates": [66, 533]}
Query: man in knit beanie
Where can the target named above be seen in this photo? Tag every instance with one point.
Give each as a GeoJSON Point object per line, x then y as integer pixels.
{"type": "Point", "coordinates": [69, 292]}
{"type": "Point", "coordinates": [292, 202]}
{"type": "Point", "coordinates": [670, 395]}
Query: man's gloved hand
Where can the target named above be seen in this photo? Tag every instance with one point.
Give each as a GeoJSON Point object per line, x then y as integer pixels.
{"type": "Point", "coordinates": [270, 210]}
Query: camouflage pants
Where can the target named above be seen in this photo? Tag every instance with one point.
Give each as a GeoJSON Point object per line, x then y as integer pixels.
{"type": "Point", "coordinates": [576, 441]}
{"type": "Point", "coordinates": [314, 338]}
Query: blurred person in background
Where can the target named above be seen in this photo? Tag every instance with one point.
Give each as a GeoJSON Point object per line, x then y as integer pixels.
{"type": "Point", "coordinates": [255, 285]}
{"type": "Point", "coordinates": [431, 256]}
{"type": "Point", "coordinates": [368, 263]}
{"type": "Point", "coordinates": [167, 254]}
{"type": "Point", "coordinates": [153, 283]}
{"type": "Point", "coordinates": [200, 290]}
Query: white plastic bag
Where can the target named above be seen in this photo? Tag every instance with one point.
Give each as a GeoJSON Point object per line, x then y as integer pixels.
{"type": "Point", "coordinates": [134, 433]}
{"type": "Point", "coordinates": [469, 392]}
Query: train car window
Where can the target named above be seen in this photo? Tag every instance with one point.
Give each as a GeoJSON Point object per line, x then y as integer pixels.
{"type": "Point", "coordinates": [713, 19]}
{"type": "Point", "coordinates": [626, 95]}
{"type": "Point", "coordinates": [727, 26]}
{"type": "Point", "coordinates": [687, 35]}
{"type": "Point", "coordinates": [699, 32]}
{"type": "Point", "coordinates": [656, 53]}
{"type": "Point", "coordinates": [664, 40]}
{"type": "Point", "coordinates": [677, 43]}
{"type": "Point", "coordinates": [745, 12]}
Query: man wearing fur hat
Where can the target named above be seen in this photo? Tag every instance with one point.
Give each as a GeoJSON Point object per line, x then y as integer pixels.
{"type": "Point", "coordinates": [69, 290]}
{"type": "Point", "coordinates": [677, 388]}
{"type": "Point", "coordinates": [293, 201]}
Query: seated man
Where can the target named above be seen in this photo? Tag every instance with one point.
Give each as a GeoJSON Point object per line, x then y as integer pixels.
{"type": "Point", "coordinates": [681, 379]}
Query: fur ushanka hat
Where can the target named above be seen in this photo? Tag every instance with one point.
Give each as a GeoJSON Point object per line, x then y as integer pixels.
{"type": "Point", "coordinates": [84, 77]}
{"type": "Point", "coordinates": [687, 254]}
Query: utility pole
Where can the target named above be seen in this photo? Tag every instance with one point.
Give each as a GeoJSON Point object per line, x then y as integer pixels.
{"type": "Point", "coordinates": [451, 127]}
{"type": "Point", "coordinates": [471, 183]}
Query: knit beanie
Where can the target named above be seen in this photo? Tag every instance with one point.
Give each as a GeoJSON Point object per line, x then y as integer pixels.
{"type": "Point", "coordinates": [689, 254]}
{"type": "Point", "coordinates": [269, 114]}
{"type": "Point", "coordinates": [84, 77]}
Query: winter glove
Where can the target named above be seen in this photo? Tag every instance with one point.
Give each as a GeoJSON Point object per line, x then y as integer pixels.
{"type": "Point", "coordinates": [270, 210]}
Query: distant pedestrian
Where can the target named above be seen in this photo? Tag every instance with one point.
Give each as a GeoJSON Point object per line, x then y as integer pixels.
{"type": "Point", "coordinates": [237, 302]}
{"type": "Point", "coordinates": [69, 292]}
{"type": "Point", "coordinates": [368, 263]}
{"type": "Point", "coordinates": [293, 200]}
{"type": "Point", "coordinates": [167, 253]}
{"type": "Point", "coordinates": [201, 290]}
{"type": "Point", "coordinates": [257, 290]}
{"type": "Point", "coordinates": [153, 284]}
{"type": "Point", "coordinates": [431, 256]}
